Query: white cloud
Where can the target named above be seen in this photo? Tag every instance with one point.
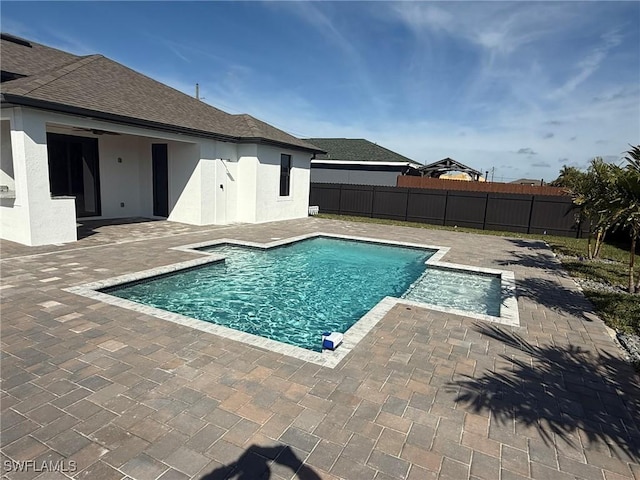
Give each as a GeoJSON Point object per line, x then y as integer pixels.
{"type": "Point", "coordinates": [496, 27]}
{"type": "Point", "coordinates": [321, 17]}
{"type": "Point", "coordinates": [589, 64]}
{"type": "Point", "coordinates": [526, 151]}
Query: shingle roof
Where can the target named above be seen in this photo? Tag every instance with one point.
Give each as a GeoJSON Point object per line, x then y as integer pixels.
{"type": "Point", "coordinates": [356, 149]}
{"type": "Point", "coordinates": [29, 60]}
{"type": "Point", "coordinates": [97, 84]}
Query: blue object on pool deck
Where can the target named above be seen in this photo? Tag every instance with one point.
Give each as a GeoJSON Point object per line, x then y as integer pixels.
{"type": "Point", "coordinates": [331, 340]}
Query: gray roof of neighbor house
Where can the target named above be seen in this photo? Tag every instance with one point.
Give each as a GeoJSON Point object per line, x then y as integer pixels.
{"type": "Point", "coordinates": [357, 150]}
{"type": "Point", "coordinates": [98, 87]}
{"type": "Point", "coordinates": [528, 181]}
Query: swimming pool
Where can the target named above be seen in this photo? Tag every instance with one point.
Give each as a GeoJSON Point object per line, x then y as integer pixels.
{"type": "Point", "coordinates": [494, 290]}
{"type": "Point", "coordinates": [291, 293]}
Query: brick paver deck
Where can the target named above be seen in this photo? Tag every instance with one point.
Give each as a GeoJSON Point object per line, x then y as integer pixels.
{"type": "Point", "coordinates": [101, 392]}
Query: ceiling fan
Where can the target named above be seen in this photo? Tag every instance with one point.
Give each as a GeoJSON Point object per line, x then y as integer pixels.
{"type": "Point", "coordinates": [95, 131]}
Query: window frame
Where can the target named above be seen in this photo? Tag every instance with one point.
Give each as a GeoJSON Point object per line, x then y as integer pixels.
{"type": "Point", "coordinates": [285, 175]}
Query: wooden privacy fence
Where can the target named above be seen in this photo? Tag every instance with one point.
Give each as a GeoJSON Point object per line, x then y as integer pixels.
{"type": "Point", "coordinates": [492, 187]}
{"type": "Point", "coordinates": [552, 215]}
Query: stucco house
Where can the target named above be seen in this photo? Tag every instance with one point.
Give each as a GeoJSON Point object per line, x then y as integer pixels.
{"type": "Point", "coordinates": [87, 137]}
{"type": "Point", "coordinates": [358, 161]}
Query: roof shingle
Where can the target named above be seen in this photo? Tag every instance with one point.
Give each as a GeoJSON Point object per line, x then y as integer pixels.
{"type": "Point", "coordinates": [356, 150]}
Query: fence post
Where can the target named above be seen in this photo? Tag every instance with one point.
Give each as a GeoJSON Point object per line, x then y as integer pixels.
{"type": "Point", "coordinates": [406, 206]}
{"type": "Point", "coordinates": [533, 200]}
{"type": "Point", "coordinates": [444, 214]}
{"type": "Point", "coordinates": [373, 199]}
{"type": "Point", "coordinates": [486, 208]}
{"type": "Point", "coordinates": [339, 199]}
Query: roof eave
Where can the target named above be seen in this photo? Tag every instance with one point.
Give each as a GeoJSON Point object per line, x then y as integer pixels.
{"type": "Point", "coordinates": [276, 143]}
{"type": "Point", "coordinates": [110, 117]}
{"type": "Point", "coordinates": [364, 162]}
{"type": "Point", "coordinates": [137, 122]}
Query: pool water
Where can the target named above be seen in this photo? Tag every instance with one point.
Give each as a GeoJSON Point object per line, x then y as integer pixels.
{"type": "Point", "coordinates": [290, 293]}
{"type": "Point", "coordinates": [467, 291]}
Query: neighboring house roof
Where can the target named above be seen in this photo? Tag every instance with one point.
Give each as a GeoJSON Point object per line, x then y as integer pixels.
{"type": "Point", "coordinates": [357, 150]}
{"type": "Point", "coordinates": [447, 165]}
{"type": "Point", "coordinates": [96, 86]}
{"type": "Point", "coordinates": [526, 181]}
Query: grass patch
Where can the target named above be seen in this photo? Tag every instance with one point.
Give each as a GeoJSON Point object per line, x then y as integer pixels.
{"type": "Point", "coordinates": [577, 247]}
{"type": "Point", "coordinates": [614, 274]}
{"type": "Point", "coordinates": [620, 311]}
{"type": "Point", "coordinates": [428, 226]}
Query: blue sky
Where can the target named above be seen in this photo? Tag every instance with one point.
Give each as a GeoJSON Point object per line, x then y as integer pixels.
{"type": "Point", "coordinates": [519, 87]}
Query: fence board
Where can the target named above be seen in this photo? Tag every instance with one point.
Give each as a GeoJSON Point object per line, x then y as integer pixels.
{"type": "Point", "coordinates": [390, 202]}
{"type": "Point", "coordinates": [553, 216]}
{"type": "Point", "coordinates": [508, 213]}
{"type": "Point", "coordinates": [326, 195]}
{"type": "Point", "coordinates": [356, 200]}
{"type": "Point", "coordinates": [426, 206]}
{"type": "Point", "coordinates": [466, 209]}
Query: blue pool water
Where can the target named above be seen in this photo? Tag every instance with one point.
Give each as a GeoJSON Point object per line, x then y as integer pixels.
{"type": "Point", "coordinates": [291, 293]}
{"type": "Point", "coordinates": [467, 291]}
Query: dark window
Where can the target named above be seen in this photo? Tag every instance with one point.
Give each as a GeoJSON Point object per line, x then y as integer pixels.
{"type": "Point", "coordinates": [285, 174]}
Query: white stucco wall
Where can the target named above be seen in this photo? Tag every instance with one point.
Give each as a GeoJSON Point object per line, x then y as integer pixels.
{"type": "Point", "coordinates": [34, 218]}
{"type": "Point", "coordinates": [226, 198]}
{"type": "Point", "coordinates": [246, 198]}
{"type": "Point", "coordinates": [120, 180]}
{"type": "Point", "coordinates": [203, 185]}
{"type": "Point", "coordinates": [185, 183]}
{"type": "Point", "coordinates": [270, 205]}
{"type": "Point", "coordinates": [14, 222]}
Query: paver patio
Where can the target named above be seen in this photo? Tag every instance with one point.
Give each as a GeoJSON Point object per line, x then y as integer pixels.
{"type": "Point", "coordinates": [110, 393]}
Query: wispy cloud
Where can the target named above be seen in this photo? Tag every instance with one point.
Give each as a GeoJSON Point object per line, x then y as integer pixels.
{"type": "Point", "coordinates": [70, 43]}
{"type": "Point", "coordinates": [49, 36]}
{"type": "Point", "coordinates": [526, 151]}
{"type": "Point", "coordinates": [496, 27]}
{"type": "Point", "coordinates": [541, 165]}
{"type": "Point", "coordinates": [321, 17]}
{"type": "Point", "coordinates": [15, 27]}
{"type": "Point", "coordinates": [184, 50]}
{"type": "Point", "coordinates": [589, 64]}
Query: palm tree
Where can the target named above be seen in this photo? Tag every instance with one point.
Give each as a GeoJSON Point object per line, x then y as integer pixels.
{"type": "Point", "coordinates": [593, 192]}
{"type": "Point", "coordinates": [601, 187]}
{"type": "Point", "coordinates": [627, 207]}
{"type": "Point", "coordinates": [568, 178]}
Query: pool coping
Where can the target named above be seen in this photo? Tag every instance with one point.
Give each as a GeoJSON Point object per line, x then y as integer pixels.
{"type": "Point", "coordinates": [508, 311]}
